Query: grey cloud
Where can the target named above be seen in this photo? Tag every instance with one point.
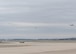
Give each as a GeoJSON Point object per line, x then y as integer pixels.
{"type": "Point", "coordinates": [44, 11]}
{"type": "Point", "coordinates": [63, 11]}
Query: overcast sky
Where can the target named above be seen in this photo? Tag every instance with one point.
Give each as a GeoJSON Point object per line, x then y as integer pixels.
{"type": "Point", "coordinates": [37, 18]}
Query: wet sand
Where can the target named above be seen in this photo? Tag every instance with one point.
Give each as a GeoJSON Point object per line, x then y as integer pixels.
{"type": "Point", "coordinates": [38, 48]}
{"type": "Point", "coordinates": [70, 51]}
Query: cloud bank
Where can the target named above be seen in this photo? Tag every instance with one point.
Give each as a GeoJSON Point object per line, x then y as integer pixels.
{"type": "Point", "coordinates": [34, 18]}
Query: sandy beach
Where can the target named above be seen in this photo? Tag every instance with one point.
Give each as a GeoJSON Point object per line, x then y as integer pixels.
{"type": "Point", "coordinates": [38, 48]}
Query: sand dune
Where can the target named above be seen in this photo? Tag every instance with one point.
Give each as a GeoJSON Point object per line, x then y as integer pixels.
{"type": "Point", "coordinates": [38, 48]}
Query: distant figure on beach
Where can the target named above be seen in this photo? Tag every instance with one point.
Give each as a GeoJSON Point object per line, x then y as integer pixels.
{"type": "Point", "coordinates": [22, 42]}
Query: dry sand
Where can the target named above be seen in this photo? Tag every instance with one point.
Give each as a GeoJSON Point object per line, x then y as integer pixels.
{"type": "Point", "coordinates": [37, 48]}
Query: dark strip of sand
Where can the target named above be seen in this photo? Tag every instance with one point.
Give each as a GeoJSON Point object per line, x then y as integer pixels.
{"type": "Point", "coordinates": [71, 51]}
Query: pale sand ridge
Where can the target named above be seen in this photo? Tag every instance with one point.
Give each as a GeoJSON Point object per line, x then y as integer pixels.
{"type": "Point", "coordinates": [38, 48]}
